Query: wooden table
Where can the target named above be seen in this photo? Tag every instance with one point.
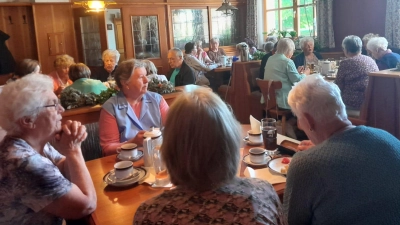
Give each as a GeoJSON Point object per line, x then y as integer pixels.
{"type": "Point", "coordinates": [91, 114]}
{"type": "Point", "coordinates": [118, 205]}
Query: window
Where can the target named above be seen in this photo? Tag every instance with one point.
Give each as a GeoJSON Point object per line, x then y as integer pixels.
{"type": "Point", "coordinates": [191, 25]}
{"type": "Point", "coordinates": [289, 15]}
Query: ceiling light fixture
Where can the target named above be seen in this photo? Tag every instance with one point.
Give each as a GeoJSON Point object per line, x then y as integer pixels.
{"type": "Point", "coordinates": [227, 8]}
{"type": "Point", "coordinates": [95, 6]}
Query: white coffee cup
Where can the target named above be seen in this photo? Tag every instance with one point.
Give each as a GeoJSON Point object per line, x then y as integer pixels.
{"type": "Point", "coordinates": [123, 169]}
{"type": "Point", "coordinates": [128, 150]}
{"type": "Point", "coordinates": [254, 137]}
{"type": "Point", "coordinates": [258, 155]}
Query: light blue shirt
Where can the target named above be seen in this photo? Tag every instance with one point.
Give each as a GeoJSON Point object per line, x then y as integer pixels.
{"type": "Point", "coordinates": [128, 123]}
{"type": "Point", "coordinates": [280, 68]}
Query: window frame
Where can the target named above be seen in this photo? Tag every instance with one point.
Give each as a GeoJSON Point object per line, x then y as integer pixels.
{"type": "Point", "coordinates": [296, 19]}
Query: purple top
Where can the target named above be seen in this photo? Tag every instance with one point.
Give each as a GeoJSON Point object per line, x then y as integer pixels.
{"type": "Point", "coordinates": [352, 79]}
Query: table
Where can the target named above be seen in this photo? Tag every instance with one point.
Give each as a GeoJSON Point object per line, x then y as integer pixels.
{"type": "Point", "coordinates": [118, 205]}
{"type": "Point", "coordinates": [91, 114]}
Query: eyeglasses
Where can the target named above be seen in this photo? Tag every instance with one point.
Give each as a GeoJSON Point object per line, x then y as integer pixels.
{"type": "Point", "coordinates": [55, 105]}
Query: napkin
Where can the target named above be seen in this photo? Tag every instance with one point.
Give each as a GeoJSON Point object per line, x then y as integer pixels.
{"type": "Point", "coordinates": [150, 178]}
{"type": "Point", "coordinates": [265, 174]}
{"type": "Point", "coordinates": [255, 125]}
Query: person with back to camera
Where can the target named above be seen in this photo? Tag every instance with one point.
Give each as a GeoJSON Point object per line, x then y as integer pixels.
{"type": "Point", "coordinates": [352, 75]}
{"type": "Point", "coordinates": [25, 67]}
{"type": "Point", "coordinates": [151, 70]}
{"type": "Point", "coordinates": [270, 49]}
{"type": "Point", "coordinates": [40, 184]}
{"type": "Point", "coordinates": [201, 152]}
{"type": "Point", "coordinates": [124, 118]}
{"type": "Point", "coordinates": [60, 74]}
{"type": "Point", "coordinates": [79, 73]}
{"type": "Point", "coordinates": [346, 176]}
{"type": "Point", "coordinates": [180, 73]}
{"type": "Point", "coordinates": [385, 58]}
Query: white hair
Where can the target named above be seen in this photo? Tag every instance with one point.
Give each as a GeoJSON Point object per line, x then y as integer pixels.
{"type": "Point", "coordinates": [285, 46]}
{"type": "Point", "coordinates": [306, 40]}
{"type": "Point", "coordinates": [377, 43]}
{"type": "Point", "coordinates": [215, 40]}
{"type": "Point", "coordinates": [177, 52]}
{"type": "Point", "coordinates": [111, 53]}
{"type": "Point", "coordinates": [352, 44]}
{"type": "Point", "coordinates": [318, 98]}
{"type": "Point", "coordinates": [23, 98]}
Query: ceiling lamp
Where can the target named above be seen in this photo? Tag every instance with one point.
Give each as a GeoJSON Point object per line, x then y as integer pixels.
{"type": "Point", "coordinates": [95, 6]}
{"type": "Point", "coordinates": [226, 8]}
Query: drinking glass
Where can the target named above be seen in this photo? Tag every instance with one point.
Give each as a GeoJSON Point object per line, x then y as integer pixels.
{"type": "Point", "coordinates": [268, 127]}
{"type": "Point", "coordinates": [161, 173]}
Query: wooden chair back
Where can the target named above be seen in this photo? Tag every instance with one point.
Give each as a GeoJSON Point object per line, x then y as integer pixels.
{"type": "Point", "coordinates": [268, 88]}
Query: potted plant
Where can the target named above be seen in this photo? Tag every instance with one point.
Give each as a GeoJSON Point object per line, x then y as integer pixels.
{"type": "Point", "coordinates": [293, 33]}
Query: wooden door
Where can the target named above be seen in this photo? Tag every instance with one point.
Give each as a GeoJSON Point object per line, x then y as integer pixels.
{"type": "Point", "coordinates": [119, 38]}
{"type": "Point", "coordinates": [145, 33]}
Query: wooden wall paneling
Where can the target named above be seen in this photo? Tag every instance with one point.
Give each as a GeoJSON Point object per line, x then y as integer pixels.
{"type": "Point", "coordinates": [53, 18]}
{"type": "Point", "coordinates": [22, 35]}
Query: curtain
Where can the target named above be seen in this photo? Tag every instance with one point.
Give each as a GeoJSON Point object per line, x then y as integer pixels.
{"type": "Point", "coordinates": [251, 21]}
{"type": "Point", "coordinates": [392, 23]}
{"type": "Point", "coordinates": [325, 32]}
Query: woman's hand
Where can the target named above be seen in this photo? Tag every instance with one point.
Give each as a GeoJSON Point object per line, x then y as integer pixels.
{"type": "Point", "coordinates": [300, 69]}
{"type": "Point", "coordinates": [70, 138]}
{"type": "Point", "coordinates": [138, 139]}
{"type": "Point", "coordinates": [304, 145]}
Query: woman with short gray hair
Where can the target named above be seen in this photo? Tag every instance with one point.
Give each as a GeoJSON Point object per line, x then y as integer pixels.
{"type": "Point", "coordinates": [280, 67]}
{"type": "Point", "coordinates": [328, 182]}
{"type": "Point", "coordinates": [385, 58]}
{"type": "Point", "coordinates": [215, 52]}
{"type": "Point", "coordinates": [352, 75]}
{"type": "Point", "coordinates": [201, 151]}
{"type": "Point", "coordinates": [308, 56]}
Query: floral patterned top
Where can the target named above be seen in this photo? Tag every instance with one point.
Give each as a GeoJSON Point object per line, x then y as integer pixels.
{"type": "Point", "coordinates": [29, 182]}
{"type": "Point", "coordinates": [242, 201]}
{"type": "Point", "coordinates": [352, 79]}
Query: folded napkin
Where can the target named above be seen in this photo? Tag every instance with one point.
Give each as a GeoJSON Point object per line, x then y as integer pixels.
{"type": "Point", "coordinates": [255, 125]}
{"type": "Point", "coordinates": [265, 174]}
{"type": "Point", "coordinates": [151, 179]}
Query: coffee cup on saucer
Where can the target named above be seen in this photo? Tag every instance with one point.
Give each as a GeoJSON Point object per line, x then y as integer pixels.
{"type": "Point", "coordinates": [128, 150]}
{"type": "Point", "coordinates": [258, 155]}
{"type": "Point", "coordinates": [123, 169]}
{"type": "Point", "coordinates": [255, 137]}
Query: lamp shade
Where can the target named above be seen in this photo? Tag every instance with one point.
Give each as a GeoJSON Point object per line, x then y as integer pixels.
{"type": "Point", "coordinates": [95, 6]}
{"type": "Point", "coordinates": [226, 8]}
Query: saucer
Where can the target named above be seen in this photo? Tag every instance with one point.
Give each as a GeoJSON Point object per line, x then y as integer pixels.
{"type": "Point", "coordinates": [138, 175]}
{"type": "Point", "coordinates": [133, 159]}
{"type": "Point", "coordinates": [246, 140]}
{"type": "Point", "coordinates": [246, 159]}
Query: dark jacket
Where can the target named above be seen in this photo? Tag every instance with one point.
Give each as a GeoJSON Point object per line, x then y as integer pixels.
{"type": "Point", "coordinates": [184, 77]}
{"type": "Point", "coordinates": [101, 74]}
{"type": "Point", "coordinates": [263, 63]}
{"type": "Point", "coordinates": [300, 59]}
{"type": "Point", "coordinates": [7, 62]}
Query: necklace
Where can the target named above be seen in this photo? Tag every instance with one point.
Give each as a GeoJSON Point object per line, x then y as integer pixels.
{"type": "Point", "coordinates": [60, 81]}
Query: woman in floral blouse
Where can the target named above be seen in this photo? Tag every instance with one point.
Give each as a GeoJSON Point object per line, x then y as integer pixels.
{"type": "Point", "coordinates": [352, 75]}
{"type": "Point", "coordinates": [201, 152]}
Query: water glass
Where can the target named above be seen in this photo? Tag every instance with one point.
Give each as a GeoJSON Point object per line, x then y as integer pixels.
{"type": "Point", "coordinates": [161, 173]}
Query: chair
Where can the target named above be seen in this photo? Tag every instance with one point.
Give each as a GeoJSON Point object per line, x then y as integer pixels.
{"type": "Point", "coordinates": [268, 88]}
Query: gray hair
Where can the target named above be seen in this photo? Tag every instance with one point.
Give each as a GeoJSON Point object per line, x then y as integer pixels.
{"type": "Point", "coordinates": [306, 40]}
{"type": "Point", "coordinates": [272, 38]}
{"type": "Point", "coordinates": [285, 46]}
{"type": "Point", "coordinates": [368, 37]}
{"type": "Point", "coordinates": [191, 161]}
{"type": "Point", "coordinates": [352, 44]}
{"type": "Point", "coordinates": [318, 98]}
{"type": "Point", "coordinates": [177, 52]}
{"type": "Point", "coordinates": [215, 39]}
{"type": "Point", "coordinates": [23, 98]}
{"type": "Point", "coordinates": [377, 43]}
{"type": "Point", "coordinates": [111, 53]}
{"type": "Point", "coordinates": [150, 67]}
{"type": "Point", "coordinates": [125, 70]}
{"type": "Point", "coordinates": [269, 46]}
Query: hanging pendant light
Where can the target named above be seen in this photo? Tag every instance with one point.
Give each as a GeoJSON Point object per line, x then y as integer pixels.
{"type": "Point", "coordinates": [95, 6]}
{"type": "Point", "coordinates": [226, 8]}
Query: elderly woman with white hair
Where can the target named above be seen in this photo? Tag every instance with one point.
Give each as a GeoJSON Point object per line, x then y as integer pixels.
{"type": "Point", "coordinates": [308, 56]}
{"type": "Point", "coordinates": [385, 58]}
{"type": "Point", "coordinates": [41, 184]}
{"type": "Point", "coordinates": [201, 151]}
{"type": "Point", "coordinates": [110, 59]}
{"type": "Point", "coordinates": [280, 67]}
{"type": "Point", "coordinates": [352, 75]}
{"type": "Point", "coordinates": [347, 176]}
{"type": "Point", "coordinates": [215, 52]}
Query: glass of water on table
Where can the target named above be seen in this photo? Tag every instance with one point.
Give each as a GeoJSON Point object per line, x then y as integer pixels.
{"type": "Point", "coordinates": [268, 128]}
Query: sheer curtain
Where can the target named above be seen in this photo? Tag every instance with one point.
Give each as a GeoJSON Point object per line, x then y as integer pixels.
{"type": "Point", "coordinates": [392, 23]}
{"type": "Point", "coordinates": [325, 32]}
{"type": "Point", "coordinates": [251, 21]}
